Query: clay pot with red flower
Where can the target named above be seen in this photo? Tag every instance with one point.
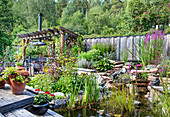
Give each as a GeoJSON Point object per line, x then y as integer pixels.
{"type": "Point", "coordinates": [16, 78]}
{"type": "Point", "coordinates": [41, 102]}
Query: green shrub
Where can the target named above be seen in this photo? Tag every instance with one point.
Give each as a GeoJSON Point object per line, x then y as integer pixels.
{"type": "Point", "coordinates": [103, 65]}
{"type": "Point", "coordinates": [92, 55]}
{"type": "Point", "coordinates": [103, 48]}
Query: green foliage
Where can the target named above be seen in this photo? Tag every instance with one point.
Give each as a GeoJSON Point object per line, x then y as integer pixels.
{"type": "Point", "coordinates": [149, 50]}
{"type": "Point", "coordinates": [92, 55]}
{"type": "Point", "coordinates": [60, 97]}
{"type": "Point", "coordinates": [34, 51]}
{"type": "Point", "coordinates": [6, 17]}
{"type": "Point", "coordinates": [103, 65]}
{"type": "Point", "coordinates": [41, 99]}
{"type": "Point", "coordinates": [165, 65]}
{"type": "Point", "coordinates": [20, 78]}
{"type": "Point", "coordinates": [19, 64]}
{"type": "Point", "coordinates": [42, 81]}
{"type": "Point", "coordinates": [5, 40]}
{"type": "Point", "coordinates": [120, 101]}
{"type": "Point", "coordinates": [78, 47]}
{"type": "Point", "coordinates": [124, 55]}
{"type": "Point", "coordinates": [103, 48]}
{"type": "Point", "coordinates": [9, 71]}
{"type": "Point", "coordinates": [27, 11]}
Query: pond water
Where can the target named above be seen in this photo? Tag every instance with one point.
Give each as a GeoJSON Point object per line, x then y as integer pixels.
{"type": "Point", "coordinates": [97, 111]}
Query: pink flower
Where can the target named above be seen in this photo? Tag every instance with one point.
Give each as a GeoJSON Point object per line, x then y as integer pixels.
{"type": "Point", "coordinates": [136, 17]}
{"type": "Point", "coordinates": [144, 12]}
{"type": "Point", "coordinates": [162, 68]}
{"type": "Point", "coordinates": [139, 65]}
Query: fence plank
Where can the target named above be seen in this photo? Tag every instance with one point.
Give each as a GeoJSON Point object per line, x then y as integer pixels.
{"type": "Point", "coordinates": [129, 42]}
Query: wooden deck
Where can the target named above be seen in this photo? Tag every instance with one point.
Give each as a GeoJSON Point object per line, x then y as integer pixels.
{"type": "Point", "coordinates": [10, 102]}
{"type": "Point", "coordinates": [13, 105]}
{"type": "Point", "coordinates": [24, 113]}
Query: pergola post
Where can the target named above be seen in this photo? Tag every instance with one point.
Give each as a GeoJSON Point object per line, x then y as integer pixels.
{"type": "Point", "coordinates": [62, 42]}
{"type": "Point", "coordinates": [23, 44]}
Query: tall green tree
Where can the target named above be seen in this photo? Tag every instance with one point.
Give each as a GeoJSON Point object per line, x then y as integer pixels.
{"type": "Point", "coordinates": [28, 11]}
{"type": "Point", "coordinates": [6, 16]}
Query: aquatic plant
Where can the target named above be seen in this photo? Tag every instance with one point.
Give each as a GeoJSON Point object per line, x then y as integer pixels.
{"type": "Point", "coordinates": [150, 48]}
{"type": "Point", "coordinates": [119, 101]}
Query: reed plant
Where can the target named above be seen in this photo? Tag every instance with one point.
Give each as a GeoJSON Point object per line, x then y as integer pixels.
{"type": "Point", "coordinates": [120, 101]}
{"type": "Point", "coordinates": [150, 48]}
{"type": "Point", "coordinates": [124, 55]}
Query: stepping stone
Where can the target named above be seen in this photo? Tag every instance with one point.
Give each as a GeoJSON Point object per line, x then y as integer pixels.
{"type": "Point", "coordinates": [118, 66]}
{"type": "Point", "coordinates": [119, 62]}
{"type": "Point", "coordinates": [153, 70]}
{"type": "Point", "coordinates": [126, 67]}
{"type": "Point", "coordinates": [106, 78]}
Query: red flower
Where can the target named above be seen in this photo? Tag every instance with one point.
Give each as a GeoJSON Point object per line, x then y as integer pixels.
{"type": "Point", "coordinates": [47, 92]}
{"type": "Point", "coordinates": [144, 12]}
{"type": "Point", "coordinates": [136, 17]}
{"type": "Point", "coordinates": [37, 90]}
{"type": "Point", "coordinates": [52, 95]}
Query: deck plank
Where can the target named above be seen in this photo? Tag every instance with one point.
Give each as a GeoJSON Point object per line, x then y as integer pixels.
{"type": "Point", "coordinates": [10, 102]}
{"type": "Point", "coordinates": [54, 114]}
{"type": "Point", "coordinates": [22, 113]}
{"type": "Point", "coordinates": [9, 114]}
{"type": "Point", "coordinates": [1, 115]}
{"type": "Point", "coordinates": [49, 113]}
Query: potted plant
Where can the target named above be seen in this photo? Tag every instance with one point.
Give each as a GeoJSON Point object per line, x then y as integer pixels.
{"type": "Point", "coordinates": [41, 102]}
{"type": "Point", "coordinates": [141, 83]}
{"type": "Point", "coordinates": [16, 78]}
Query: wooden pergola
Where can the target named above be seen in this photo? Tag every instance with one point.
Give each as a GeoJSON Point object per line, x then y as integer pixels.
{"type": "Point", "coordinates": [47, 35]}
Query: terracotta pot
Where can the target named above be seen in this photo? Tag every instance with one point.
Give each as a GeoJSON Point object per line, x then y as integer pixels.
{"type": "Point", "coordinates": [17, 87]}
{"type": "Point", "coordinates": [23, 72]}
{"type": "Point", "coordinates": [2, 84]}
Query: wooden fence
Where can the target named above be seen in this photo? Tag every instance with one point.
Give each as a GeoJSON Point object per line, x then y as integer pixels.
{"type": "Point", "coordinates": [127, 42]}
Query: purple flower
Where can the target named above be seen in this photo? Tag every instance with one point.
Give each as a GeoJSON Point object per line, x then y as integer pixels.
{"type": "Point", "coordinates": [129, 68]}
{"type": "Point", "coordinates": [162, 68]}
{"type": "Point", "coordinates": [164, 33]}
{"type": "Point", "coordinates": [154, 45]}
{"type": "Point", "coordinates": [156, 34]}
{"type": "Point", "coordinates": [88, 44]}
{"type": "Point", "coordinates": [136, 70]}
{"type": "Point", "coordinates": [8, 54]}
